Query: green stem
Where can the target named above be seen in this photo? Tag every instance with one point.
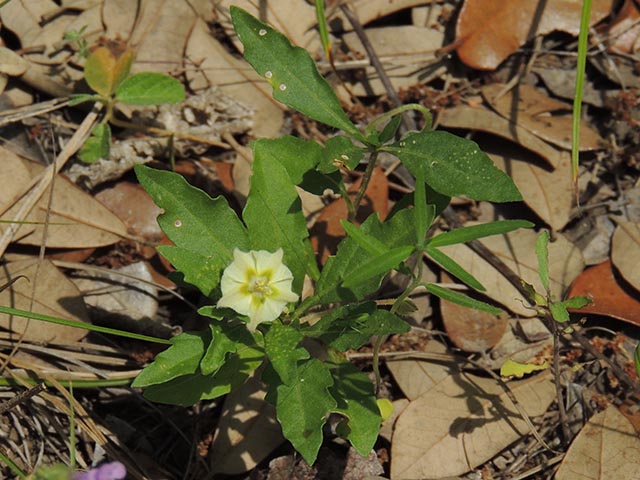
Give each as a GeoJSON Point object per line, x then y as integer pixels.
{"type": "Point", "coordinates": [363, 186]}
{"type": "Point", "coordinates": [577, 98]}
{"type": "Point", "coordinates": [87, 326]}
{"type": "Point", "coordinates": [11, 464]}
{"type": "Point", "coordinates": [392, 113]}
{"type": "Point", "coordinates": [115, 382]}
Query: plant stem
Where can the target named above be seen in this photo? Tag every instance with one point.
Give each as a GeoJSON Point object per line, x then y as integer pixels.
{"type": "Point", "coordinates": [366, 178]}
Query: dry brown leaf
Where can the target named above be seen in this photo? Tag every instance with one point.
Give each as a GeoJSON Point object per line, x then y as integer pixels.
{"type": "Point", "coordinates": [470, 329]}
{"type": "Point", "coordinates": [369, 10]}
{"type": "Point", "coordinates": [608, 296]}
{"type": "Point", "coordinates": [531, 109]}
{"type": "Point", "coordinates": [55, 295]}
{"type": "Point", "coordinates": [416, 377]}
{"type": "Point", "coordinates": [624, 31]}
{"type": "Point", "coordinates": [160, 35]}
{"type": "Point", "coordinates": [12, 63]}
{"type": "Point", "coordinates": [548, 193]}
{"type": "Point", "coordinates": [625, 251]}
{"type": "Point", "coordinates": [491, 30]}
{"type": "Point", "coordinates": [517, 250]}
{"type": "Point", "coordinates": [236, 78]}
{"type": "Point", "coordinates": [486, 120]}
{"type": "Point", "coordinates": [296, 20]}
{"type": "Point", "coordinates": [247, 430]}
{"type": "Point", "coordinates": [407, 53]}
{"type": "Point", "coordinates": [77, 220]}
{"type": "Point", "coordinates": [606, 447]}
{"type": "Point", "coordinates": [463, 422]}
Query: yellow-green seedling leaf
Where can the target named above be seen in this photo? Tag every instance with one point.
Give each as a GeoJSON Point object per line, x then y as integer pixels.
{"type": "Point", "coordinates": [517, 369]}
{"type": "Point", "coordinates": [150, 88]}
{"type": "Point", "coordinates": [340, 152]}
{"type": "Point", "coordinates": [353, 392]}
{"type": "Point", "coordinates": [466, 234]}
{"type": "Point", "coordinates": [302, 407]}
{"type": "Point", "coordinates": [106, 67]}
{"type": "Point", "coordinates": [386, 408]}
{"type": "Point", "coordinates": [559, 310]}
{"type": "Point", "coordinates": [98, 145]}
{"type": "Point", "coordinates": [379, 264]}
{"type": "Point", "coordinates": [533, 296]}
{"type": "Point", "coordinates": [542, 252]}
{"type": "Point", "coordinates": [323, 29]}
{"type": "Point", "coordinates": [274, 218]}
{"type": "Point", "coordinates": [460, 299]}
{"type": "Point", "coordinates": [282, 348]}
{"type": "Point", "coordinates": [454, 166]}
{"type": "Point", "coordinates": [291, 72]}
{"type": "Point", "coordinates": [181, 358]}
{"type": "Point", "coordinates": [351, 326]}
{"type": "Point", "coordinates": [636, 358]}
{"type": "Point", "coordinates": [453, 267]}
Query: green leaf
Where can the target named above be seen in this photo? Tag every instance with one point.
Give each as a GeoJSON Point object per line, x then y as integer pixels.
{"type": "Point", "coordinates": [453, 267]}
{"type": "Point", "coordinates": [424, 215]}
{"type": "Point", "coordinates": [542, 252]}
{"type": "Point", "coordinates": [297, 156]}
{"type": "Point", "coordinates": [338, 151]}
{"type": "Point", "coordinates": [466, 234]}
{"type": "Point", "coordinates": [192, 219]}
{"type": "Point", "coordinates": [577, 302]}
{"type": "Point", "coordinates": [189, 389]}
{"type": "Point", "coordinates": [225, 338]}
{"type": "Point", "coordinates": [379, 264]}
{"type": "Point", "coordinates": [353, 392]}
{"type": "Point", "coordinates": [351, 326]}
{"type": "Point", "coordinates": [149, 88]}
{"type": "Point", "coordinates": [636, 359]}
{"type": "Point", "coordinates": [302, 407]}
{"type": "Point", "coordinates": [291, 72]}
{"type": "Point", "coordinates": [181, 358]}
{"type": "Point", "coordinates": [274, 219]}
{"type": "Point", "coordinates": [396, 231]}
{"type": "Point", "coordinates": [369, 243]}
{"type": "Point", "coordinates": [98, 145]}
{"type": "Point", "coordinates": [281, 346]}
{"type": "Point", "coordinates": [390, 129]}
{"type": "Point", "coordinates": [461, 299]}
{"type": "Point", "coordinates": [454, 166]}
{"type": "Point", "coordinates": [559, 312]}
{"type": "Point", "coordinates": [200, 271]}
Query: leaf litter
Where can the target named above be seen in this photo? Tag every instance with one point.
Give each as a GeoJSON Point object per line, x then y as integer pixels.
{"type": "Point", "coordinates": [457, 419]}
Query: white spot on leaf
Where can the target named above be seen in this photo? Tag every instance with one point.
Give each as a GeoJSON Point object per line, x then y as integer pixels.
{"type": "Point", "coordinates": [262, 32]}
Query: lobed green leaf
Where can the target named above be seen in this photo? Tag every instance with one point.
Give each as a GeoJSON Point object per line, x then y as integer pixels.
{"type": "Point", "coordinates": [281, 346]}
{"type": "Point", "coordinates": [98, 145]}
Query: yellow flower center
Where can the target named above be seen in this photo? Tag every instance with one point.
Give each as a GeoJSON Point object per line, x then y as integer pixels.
{"type": "Point", "coordinates": [259, 286]}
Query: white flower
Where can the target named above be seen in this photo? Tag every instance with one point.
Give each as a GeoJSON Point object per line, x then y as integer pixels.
{"type": "Point", "coordinates": [257, 284]}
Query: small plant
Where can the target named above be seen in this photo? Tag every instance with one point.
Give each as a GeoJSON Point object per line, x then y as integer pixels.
{"type": "Point", "coordinates": [75, 36]}
{"type": "Point", "coordinates": [253, 268]}
{"type": "Point", "coordinates": [107, 72]}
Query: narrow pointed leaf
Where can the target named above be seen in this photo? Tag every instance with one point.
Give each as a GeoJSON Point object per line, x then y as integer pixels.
{"type": "Point", "coordinates": [367, 242]}
{"type": "Point", "coordinates": [453, 267]}
{"type": "Point", "coordinates": [542, 252]}
{"type": "Point", "coordinates": [461, 299]}
{"type": "Point", "coordinates": [466, 234]}
{"type": "Point", "coordinates": [380, 264]}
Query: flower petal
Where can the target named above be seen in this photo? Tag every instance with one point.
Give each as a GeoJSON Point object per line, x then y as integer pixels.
{"type": "Point", "coordinates": [238, 301]}
{"type": "Point", "coordinates": [268, 261]}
